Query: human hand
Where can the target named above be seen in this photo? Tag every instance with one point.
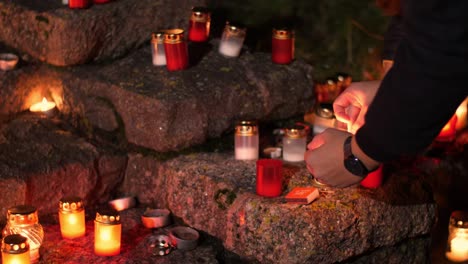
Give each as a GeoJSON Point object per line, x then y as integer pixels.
{"type": "Point", "coordinates": [324, 159]}
{"type": "Point", "coordinates": [351, 106]}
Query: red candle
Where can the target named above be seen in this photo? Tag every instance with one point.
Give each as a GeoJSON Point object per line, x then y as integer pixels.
{"type": "Point", "coordinates": [199, 27]}
{"type": "Point", "coordinates": [282, 46]}
{"type": "Point", "coordinates": [373, 179]}
{"type": "Point", "coordinates": [78, 3]}
{"type": "Point", "coordinates": [101, 1]}
{"type": "Point", "coordinates": [449, 131]}
{"type": "Point", "coordinates": [269, 177]}
{"type": "Point", "coordinates": [176, 50]}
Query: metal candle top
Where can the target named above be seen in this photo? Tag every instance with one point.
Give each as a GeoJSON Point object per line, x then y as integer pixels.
{"type": "Point", "coordinates": [71, 204]}
{"type": "Point", "coordinates": [15, 244]}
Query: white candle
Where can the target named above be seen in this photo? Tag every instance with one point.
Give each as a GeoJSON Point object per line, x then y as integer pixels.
{"type": "Point", "coordinates": [231, 48]}
{"type": "Point", "coordinates": [159, 55]}
{"type": "Point", "coordinates": [458, 249]}
{"type": "Point", "coordinates": [246, 153]}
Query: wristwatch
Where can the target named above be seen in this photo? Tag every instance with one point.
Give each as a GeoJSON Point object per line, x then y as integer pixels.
{"type": "Point", "coordinates": [351, 162]}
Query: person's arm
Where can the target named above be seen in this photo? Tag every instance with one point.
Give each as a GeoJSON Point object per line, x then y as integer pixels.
{"type": "Point", "coordinates": [426, 84]}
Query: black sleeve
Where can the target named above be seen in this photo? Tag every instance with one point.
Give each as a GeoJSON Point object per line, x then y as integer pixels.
{"type": "Point", "coordinates": [426, 84]}
{"type": "Point", "coordinates": [392, 38]}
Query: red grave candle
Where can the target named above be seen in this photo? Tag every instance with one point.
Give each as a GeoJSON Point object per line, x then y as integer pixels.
{"type": "Point", "coordinates": [101, 1]}
{"type": "Point", "coordinates": [176, 50]}
{"type": "Point", "coordinates": [199, 27]}
{"type": "Point", "coordinates": [282, 46]}
{"type": "Point", "coordinates": [79, 3]}
{"type": "Point", "coordinates": [269, 177]}
{"type": "Point", "coordinates": [373, 179]}
{"type": "Point", "coordinates": [449, 131]}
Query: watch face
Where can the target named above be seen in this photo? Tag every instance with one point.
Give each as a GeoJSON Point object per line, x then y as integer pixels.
{"type": "Point", "coordinates": [354, 166]}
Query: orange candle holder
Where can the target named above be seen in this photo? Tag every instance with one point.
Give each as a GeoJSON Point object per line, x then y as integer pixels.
{"type": "Point", "coordinates": [15, 250]}
{"type": "Point", "coordinates": [72, 217]}
{"type": "Point", "coordinates": [107, 232]}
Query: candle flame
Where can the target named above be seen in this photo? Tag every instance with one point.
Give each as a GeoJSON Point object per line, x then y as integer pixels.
{"type": "Point", "coordinates": [43, 106]}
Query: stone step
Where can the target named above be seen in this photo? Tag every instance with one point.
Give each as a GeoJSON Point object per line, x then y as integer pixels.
{"type": "Point", "coordinates": [215, 193]}
{"type": "Point", "coordinates": [53, 33]}
{"type": "Point", "coordinates": [154, 108]}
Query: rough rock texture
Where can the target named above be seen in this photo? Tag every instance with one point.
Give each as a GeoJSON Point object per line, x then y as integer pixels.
{"type": "Point", "coordinates": [44, 159]}
{"type": "Point", "coordinates": [135, 246]}
{"type": "Point", "coordinates": [216, 194]}
{"type": "Point", "coordinates": [60, 36]}
{"type": "Point", "coordinates": [151, 107]}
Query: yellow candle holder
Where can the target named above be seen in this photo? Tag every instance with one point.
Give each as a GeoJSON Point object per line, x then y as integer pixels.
{"type": "Point", "coordinates": [15, 250]}
{"type": "Point", "coordinates": [72, 217]}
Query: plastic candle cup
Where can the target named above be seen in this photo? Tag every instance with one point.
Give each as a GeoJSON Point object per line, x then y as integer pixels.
{"type": "Point", "coordinates": [269, 177]}
{"type": "Point", "coordinates": [232, 40]}
{"type": "Point", "coordinates": [282, 46]}
{"type": "Point", "coordinates": [72, 217]}
{"type": "Point", "coordinates": [176, 50]}
{"type": "Point", "coordinates": [157, 49]}
{"type": "Point", "coordinates": [246, 142]}
{"type": "Point", "coordinates": [294, 144]}
{"type": "Point", "coordinates": [15, 250]}
{"type": "Point", "coordinates": [107, 232]}
{"type": "Point", "coordinates": [199, 27]}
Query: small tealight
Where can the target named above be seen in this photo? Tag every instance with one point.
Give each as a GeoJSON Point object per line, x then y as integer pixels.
{"type": "Point", "coordinates": [272, 152]}
{"type": "Point", "coordinates": [155, 218]}
{"type": "Point", "coordinates": [8, 61]}
{"type": "Point", "coordinates": [44, 107]}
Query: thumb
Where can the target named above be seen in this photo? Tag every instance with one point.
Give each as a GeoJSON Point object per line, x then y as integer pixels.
{"type": "Point", "coordinates": [316, 142]}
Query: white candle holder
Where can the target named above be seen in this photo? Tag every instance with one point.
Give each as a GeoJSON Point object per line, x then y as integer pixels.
{"type": "Point", "coordinates": [246, 141]}
{"type": "Point", "coordinates": [232, 40]}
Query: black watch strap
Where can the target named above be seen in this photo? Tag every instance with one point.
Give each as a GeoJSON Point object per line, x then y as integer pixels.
{"type": "Point", "coordinates": [351, 162]}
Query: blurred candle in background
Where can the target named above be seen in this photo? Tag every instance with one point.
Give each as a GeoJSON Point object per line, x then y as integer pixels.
{"type": "Point", "coordinates": [457, 243]}
{"type": "Point", "coordinates": [269, 177]}
{"type": "Point", "coordinates": [157, 48]}
{"type": "Point", "coordinates": [199, 27]}
{"type": "Point", "coordinates": [282, 46]}
{"type": "Point", "coordinates": [294, 143]}
{"type": "Point", "coordinates": [232, 40]}
{"type": "Point", "coordinates": [246, 141]}
{"type": "Point", "coordinates": [78, 3]}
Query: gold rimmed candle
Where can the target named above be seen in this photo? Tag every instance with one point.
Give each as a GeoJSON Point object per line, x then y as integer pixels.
{"type": "Point", "coordinates": [42, 107]}
{"type": "Point", "coordinates": [15, 250]}
{"type": "Point", "coordinates": [107, 232]}
{"type": "Point", "coordinates": [23, 220]}
{"type": "Point", "coordinates": [72, 217]}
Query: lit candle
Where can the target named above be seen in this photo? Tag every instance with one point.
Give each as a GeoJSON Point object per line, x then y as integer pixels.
{"type": "Point", "coordinates": [246, 141]}
{"type": "Point", "coordinates": [457, 245]}
{"type": "Point", "coordinates": [232, 40]}
{"type": "Point", "coordinates": [15, 250]}
{"type": "Point", "coordinates": [199, 27]}
{"type": "Point", "coordinates": [72, 217]}
{"type": "Point", "coordinates": [107, 233]}
{"type": "Point", "coordinates": [43, 106]}
{"type": "Point", "coordinates": [449, 131]}
{"type": "Point", "coordinates": [23, 220]}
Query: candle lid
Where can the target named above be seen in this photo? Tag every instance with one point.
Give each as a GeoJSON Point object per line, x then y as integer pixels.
{"type": "Point", "coordinates": [246, 128]}
{"type": "Point", "coordinates": [235, 29]}
{"type": "Point", "coordinates": [173, 36]}
{"type": "Point", "coordinates": [200, 14]}
{"type": "Point", "coordinates": [71, 204]}
{"type": "Point", "coordinates": [157, 37]}
{"type": "Point", "coordinates": [282, 33]}
{"type": "Point", "coordinates": [459, 219]}
{"type": "Point", "coordinates": [325, 110]}
{"type": "Point", "coordinates": [22, 214]}
{"type": "Point", "coordinates": [295, 132]}
{"type": "Point", "coordinates": [108, 216]}
{"type": "Point", "coordinates": [343, 79]}
{"type": "Point", "coordinates": [15, 244]}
